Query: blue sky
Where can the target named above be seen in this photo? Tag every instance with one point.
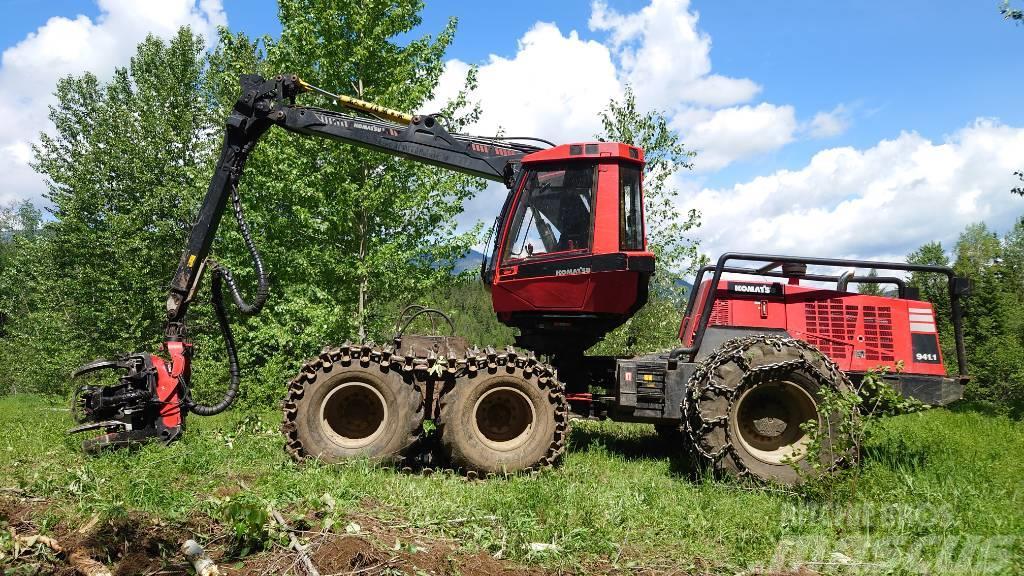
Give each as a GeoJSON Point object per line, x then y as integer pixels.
{"type": "Point", "coordinates": [831, 112]}
{"type": "Point", "coordinates": [927, 66]}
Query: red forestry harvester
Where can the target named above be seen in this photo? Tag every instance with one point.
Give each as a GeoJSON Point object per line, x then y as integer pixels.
{"type": "Point", "coordinates": [569, 263]}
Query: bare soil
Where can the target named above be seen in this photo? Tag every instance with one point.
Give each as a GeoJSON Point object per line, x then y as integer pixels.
{"type": "Point", "coordinates": [140, 545]}
{"type": "Point", "coordinates": [137, 544]}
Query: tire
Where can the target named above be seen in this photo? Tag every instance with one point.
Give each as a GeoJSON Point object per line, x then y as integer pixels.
{"type": "Point", "coordinates": [504, 419]}
{"type": "Point", "coordinates": [746, 402]}
{"type": "Point", "coordinates": [352, 407]}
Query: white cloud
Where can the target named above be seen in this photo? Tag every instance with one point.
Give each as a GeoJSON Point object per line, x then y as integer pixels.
{"type": "Point", "coordinates": [552, 88]}
{"type": "Point", "coordinates": [716, 91]}
{"type": "Point", "coordinates": [666, 58]}
{"type": "Point", "coordinates": [62, 46]}
{"type": "Point", "coordinates": [557, 83]}
{"type": "Point", "coordinates": [829, 124]}
{"type": "Point", "coordinates": [724, 136]}
{"type": "Point", "coordinates": [882, 202]}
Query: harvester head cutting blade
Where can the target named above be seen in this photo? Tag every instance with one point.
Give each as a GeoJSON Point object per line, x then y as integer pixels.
{"type": "Point", "coordinates": [97, 365]}
{"type": "Point", "coordinates": [142, 404]}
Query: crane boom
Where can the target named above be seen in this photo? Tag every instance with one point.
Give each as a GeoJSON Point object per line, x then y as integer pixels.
{"type": "Point", "coordinates": [153, 395]}
{"type": "Point", "coordinates": [268, 102]}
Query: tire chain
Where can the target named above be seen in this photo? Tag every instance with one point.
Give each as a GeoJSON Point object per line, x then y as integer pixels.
{"type": "Point", "coordinates": [431, 366]}
{"type": "Point", "coordinates": [703, 381]}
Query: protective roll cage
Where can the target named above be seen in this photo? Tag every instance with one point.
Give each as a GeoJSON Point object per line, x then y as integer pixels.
{"type": "Point", "coordinates": [958, 288]}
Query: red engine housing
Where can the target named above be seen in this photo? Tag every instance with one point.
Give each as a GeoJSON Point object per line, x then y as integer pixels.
{"type": "Point", "coordinates": [858, 332]}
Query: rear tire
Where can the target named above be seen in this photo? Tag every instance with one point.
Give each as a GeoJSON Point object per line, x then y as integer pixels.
{"type": "Point", "coordinates": [746, 402]}
{"type": "Point", "coordinates": [359, 410]}
{"type": "Point", "coordinates": [503, 420]}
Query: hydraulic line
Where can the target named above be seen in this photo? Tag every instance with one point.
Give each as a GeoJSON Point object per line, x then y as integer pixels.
{"type": "Point", "coordinates": [262, 282]}
{"type": "Point", "coordinates": [217, 297]}
{"type": "Point", "coordinates": [222, 275]}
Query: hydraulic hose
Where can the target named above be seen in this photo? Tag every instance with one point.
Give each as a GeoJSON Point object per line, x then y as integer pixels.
{"type": "Point", "coordinates": [262, 282]}
{"type": "Point", "coordinates": [221, 276]}
{"type": "Point", "coordinates": [217, 295]}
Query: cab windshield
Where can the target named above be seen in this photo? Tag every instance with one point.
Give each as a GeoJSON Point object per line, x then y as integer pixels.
{"type": "Point", "coordinates": [554, 211]}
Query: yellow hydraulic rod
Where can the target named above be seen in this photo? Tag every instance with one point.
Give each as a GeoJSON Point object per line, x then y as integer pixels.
{"type": "Point", "coordinates": [361, 105]}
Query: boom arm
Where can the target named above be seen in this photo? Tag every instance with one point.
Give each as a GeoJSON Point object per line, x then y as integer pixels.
{"type": "Point", "coordinates": [265, 103]}
{"type": "Point", "coordinates": [153, 395]}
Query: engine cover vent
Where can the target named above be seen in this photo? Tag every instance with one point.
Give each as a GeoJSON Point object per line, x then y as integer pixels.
{"type": "Point", "coordinates": [878, 333]}
{"type": "Point", "coordinates": [721, 314]}
{"type": "Point", "coordinates": [831, 326]}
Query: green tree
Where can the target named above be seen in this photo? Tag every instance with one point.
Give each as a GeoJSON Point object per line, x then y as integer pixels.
{"type": "Point", "coordinates": [665, 154]}
{"type": "Point", "coordinates": [1019, 190]}
{"type": "Point", "coordinates": [668, 233]}
{"type": "Point", "coordinates": [870, 288]}
{"type": "Point", "coordinates": [932, 287]}
{"type": "Point", "coordinates": [349, 235]}
{"type": "Point", "coordinates": [20, 219]}
{"type": "Point", "coordinates": [935, 289]}
{"type": "Point", "coordinates": [124, 167]}
{"type": "Point", "coordinates": [468, 303]}
{"type": "Point", "coordinates": [993, 315]}
{"type": "Point", "coordinates": [1013, 257]}
{"type": "Point", "coordinates": [20, 232]}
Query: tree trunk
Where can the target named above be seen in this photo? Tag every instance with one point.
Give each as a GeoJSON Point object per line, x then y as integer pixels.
{"type": "Point", "coordinates": [363, 279]}
{"type": "Point", "coordinates": [363, 274]}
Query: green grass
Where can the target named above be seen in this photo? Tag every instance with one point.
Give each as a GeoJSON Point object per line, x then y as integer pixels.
{"type": "Point", "coordinates": [939, 491]}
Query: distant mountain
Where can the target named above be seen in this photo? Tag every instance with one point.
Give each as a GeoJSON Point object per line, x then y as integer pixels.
{"type": "Point", "coordinates": [471, 261]}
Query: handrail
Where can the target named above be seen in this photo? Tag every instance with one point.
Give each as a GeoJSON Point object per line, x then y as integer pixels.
{"type": "Point", "coordinates": [957, 287]}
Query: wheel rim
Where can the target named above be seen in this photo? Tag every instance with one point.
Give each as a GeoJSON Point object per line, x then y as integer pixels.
{"type": "Point", "coordinates": [503, 418]}
{"type": "Point", "coordinates": [354, 414]}
{"type": "Point", "coordinates": [768, 419]}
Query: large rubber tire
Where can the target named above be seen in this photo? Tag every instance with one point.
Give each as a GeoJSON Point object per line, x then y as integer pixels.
{"type": "Point", "coordinates": [355, 408]}
{"type": "Point", "coordinates": [502, 420]}
{"type": "Point", "coordinates": [746, 402]}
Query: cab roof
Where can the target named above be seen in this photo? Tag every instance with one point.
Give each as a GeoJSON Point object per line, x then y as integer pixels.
{"type": "Point", "coordinates": [581, 150]}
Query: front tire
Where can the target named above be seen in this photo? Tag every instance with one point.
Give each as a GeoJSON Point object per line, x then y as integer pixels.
{"type": "Point", "coordinates": [355, 409]}
{"type": "Point", "coordinates": [746, 404]}
{"type": "Point", "coordinates": [506, 419]}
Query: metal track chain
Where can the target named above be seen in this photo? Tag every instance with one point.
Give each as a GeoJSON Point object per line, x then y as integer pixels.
{"type": "Point", "coordinates": [703, 380]}
{"type": "Point", "coordinates": [446, 371]}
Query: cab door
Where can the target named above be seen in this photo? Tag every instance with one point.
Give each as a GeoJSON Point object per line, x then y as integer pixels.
{"type": "Point", "coordinates": [544, 255]}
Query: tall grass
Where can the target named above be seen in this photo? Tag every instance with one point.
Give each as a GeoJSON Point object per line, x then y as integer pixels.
{"type": "Point", "coordinates": [937, 492]}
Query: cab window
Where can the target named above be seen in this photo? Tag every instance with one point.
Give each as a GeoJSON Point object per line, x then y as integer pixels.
{"type": "Point", "coordinates": [554, 211]}
{"type": "Point", "coordinates": [631, 225]}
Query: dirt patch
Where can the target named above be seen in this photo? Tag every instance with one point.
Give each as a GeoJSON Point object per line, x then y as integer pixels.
{"type": "Point", "coordinates": [139, 544]}
{"type": "Point", "coordinates": [347, 554]}
{"type": "Point", "coordinates": [15, 511]}
{"type": "Point", "coordinates": [134, 544]}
